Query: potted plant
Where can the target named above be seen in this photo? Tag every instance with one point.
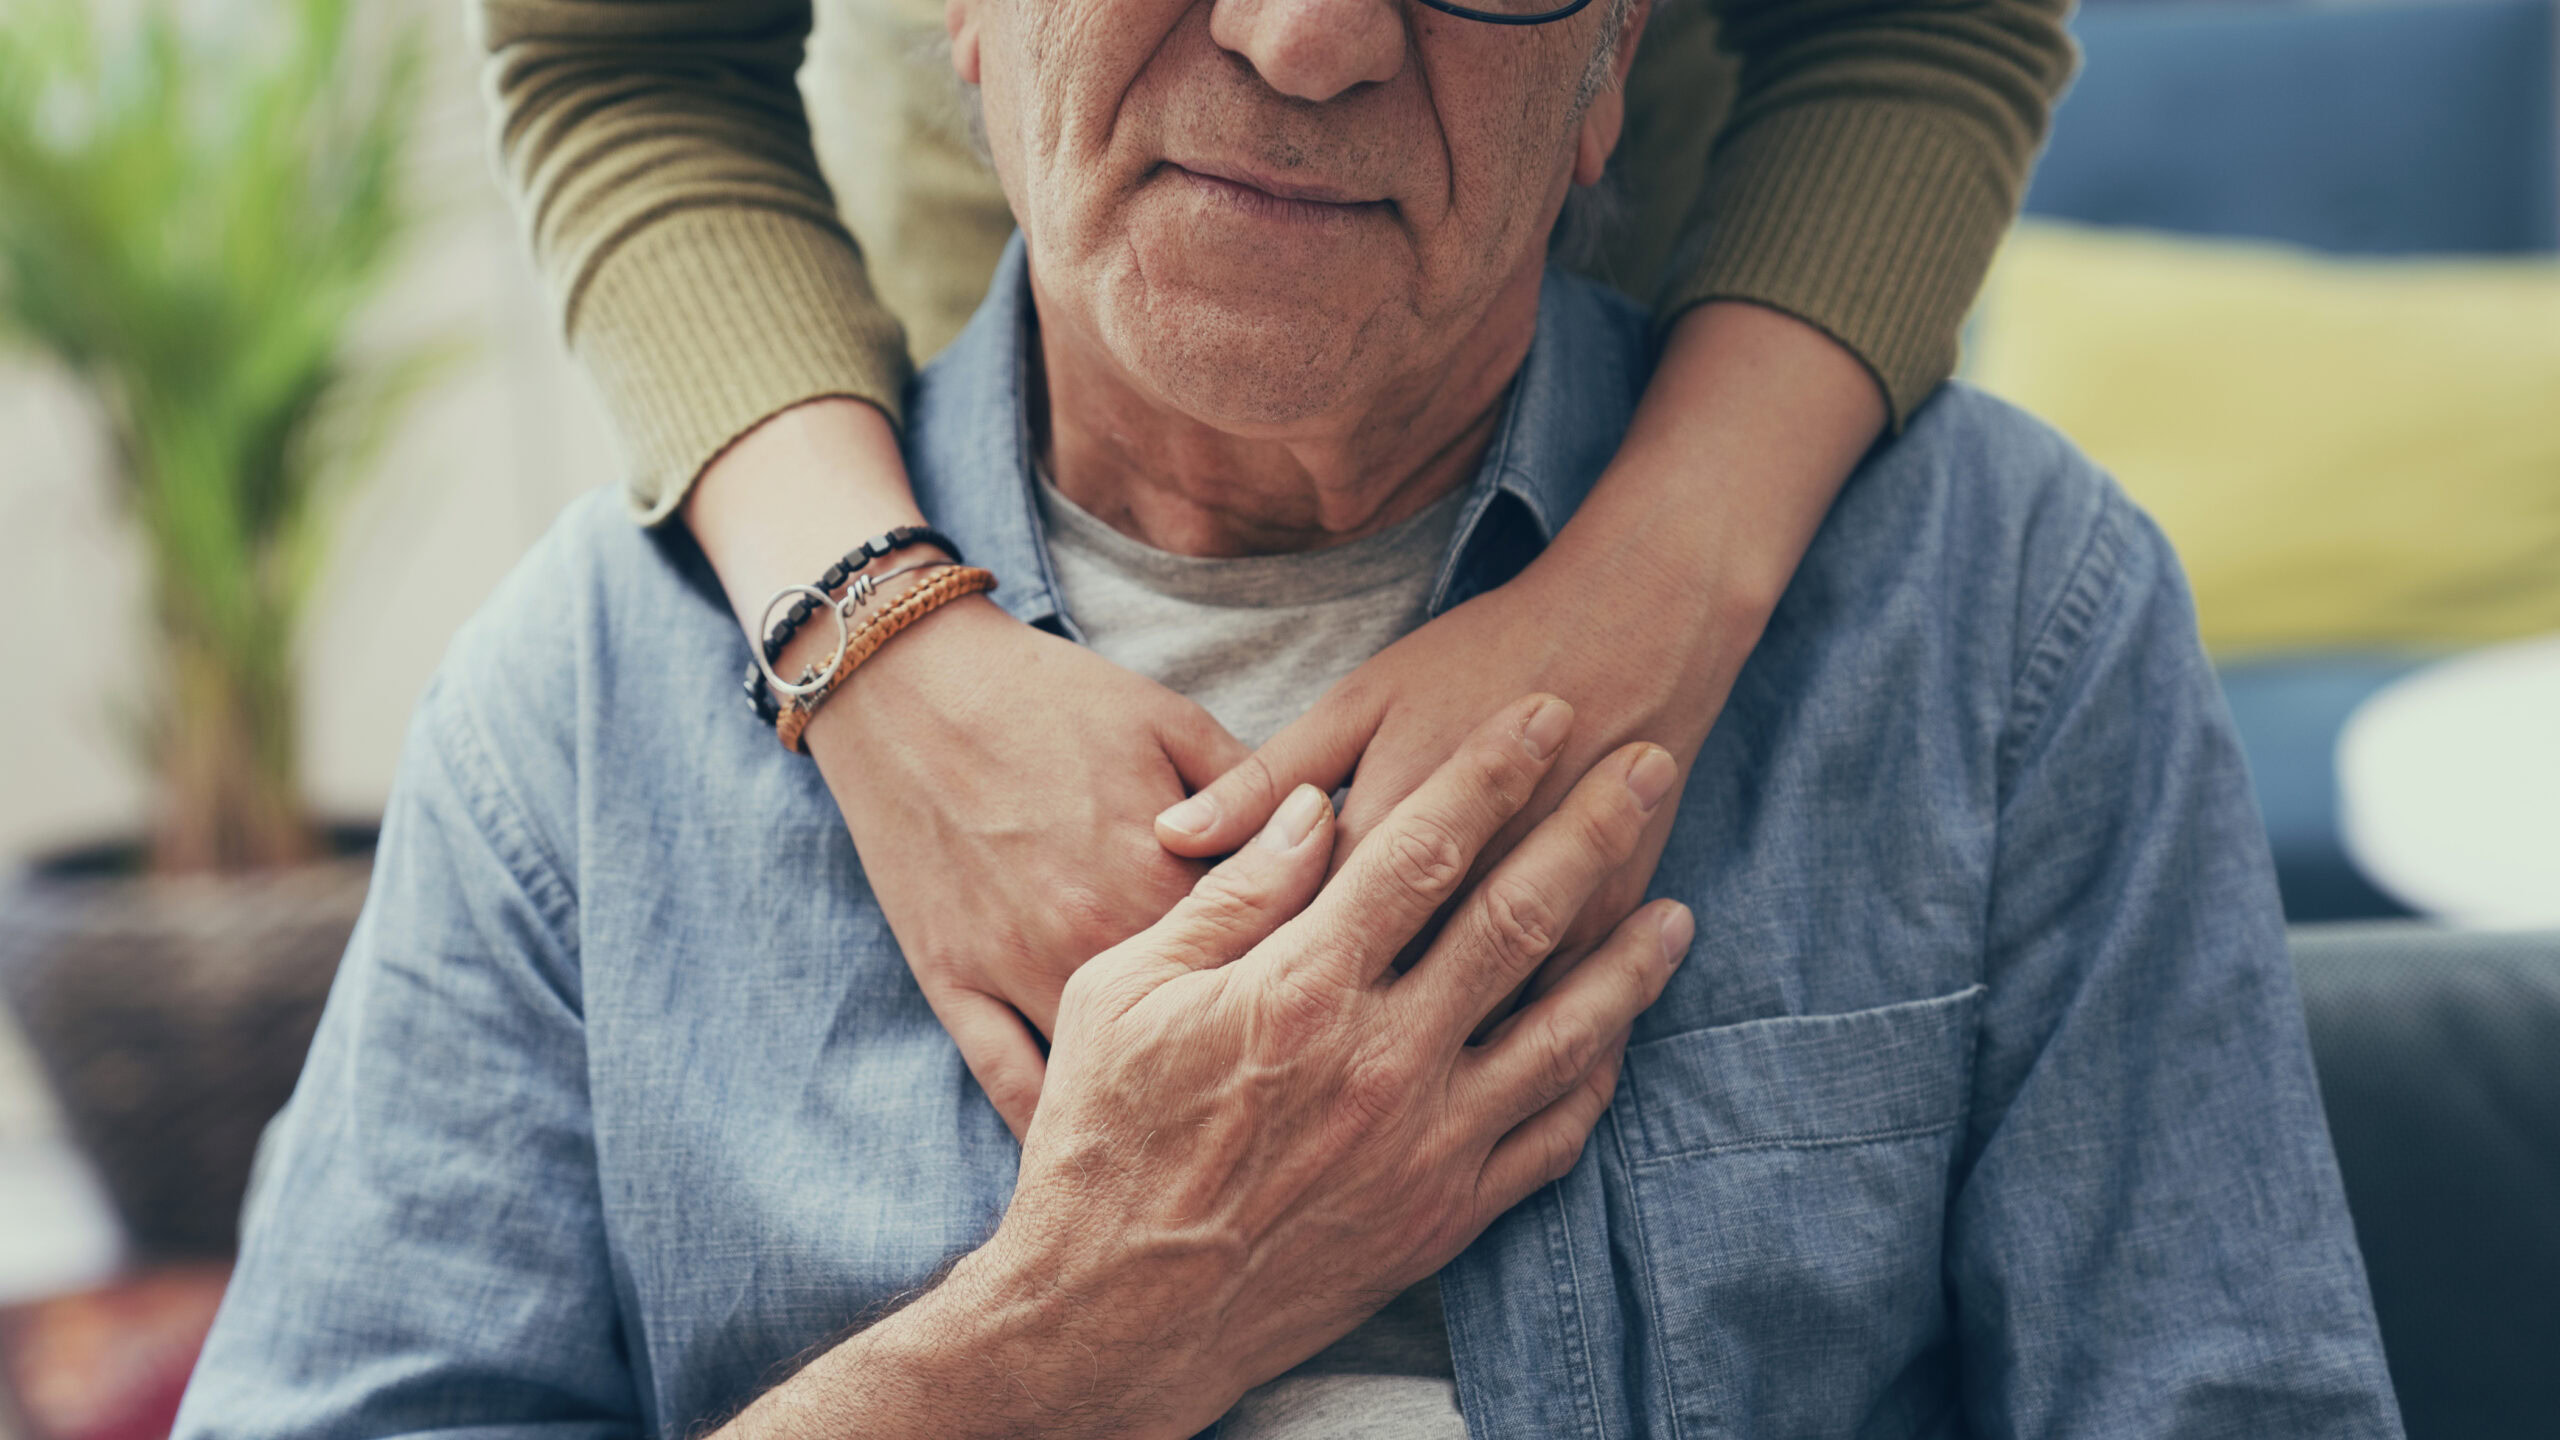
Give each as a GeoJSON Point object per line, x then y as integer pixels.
{"type": "Point", "coordinates": [192, 216]}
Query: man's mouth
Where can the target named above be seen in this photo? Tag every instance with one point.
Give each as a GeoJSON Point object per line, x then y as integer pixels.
{"type": "Point", "coordinates": [1275, 198]}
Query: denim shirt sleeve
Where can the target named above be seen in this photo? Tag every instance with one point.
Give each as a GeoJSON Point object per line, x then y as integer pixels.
{"type": "Point", "coordinates": [2148, 1234]}
{"type": "Point", "coordinates": [428, 1253]}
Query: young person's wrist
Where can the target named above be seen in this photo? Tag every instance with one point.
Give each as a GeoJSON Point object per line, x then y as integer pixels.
{"type": "Point", "coordinates": [794, 493]}
{"type": "Point", "coordinates": [785, 502]}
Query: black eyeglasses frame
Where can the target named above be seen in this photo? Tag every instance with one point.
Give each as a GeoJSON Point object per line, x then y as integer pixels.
{"type": "Point", "coordinates": [1490, 18]}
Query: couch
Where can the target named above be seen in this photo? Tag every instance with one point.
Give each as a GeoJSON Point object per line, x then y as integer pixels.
{"type": "Point", "coordinates": [2405, 127]}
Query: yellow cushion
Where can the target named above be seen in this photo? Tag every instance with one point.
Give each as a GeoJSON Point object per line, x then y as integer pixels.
{"type": "Point", "coordinates": [2345, 451]}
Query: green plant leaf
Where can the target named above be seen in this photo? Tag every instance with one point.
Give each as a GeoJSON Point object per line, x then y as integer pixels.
{"type": "Point", "coordinates": [193, 212]}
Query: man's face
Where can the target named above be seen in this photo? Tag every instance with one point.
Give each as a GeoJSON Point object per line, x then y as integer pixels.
{"type": "Point", "coordinates": [1263, 210]}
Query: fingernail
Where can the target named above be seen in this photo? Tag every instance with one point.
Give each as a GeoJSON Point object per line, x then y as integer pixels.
{"type": "Point", "coordinates": [1190, 817]}
{"type": "Point", "coordinates": [1545, 730]}
{"type": "Point", "coordinates": [1649, 779]}
{"type": "Point", "coordinates": [1295, 820]}
{"type": "Point", "coordinates": [1679, 927]}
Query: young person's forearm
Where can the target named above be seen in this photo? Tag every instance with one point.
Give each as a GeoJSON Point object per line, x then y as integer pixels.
{"type": "Point", "coordinates": [1751, 424]}
{"type": "Point", "coordinates": [794, 494]}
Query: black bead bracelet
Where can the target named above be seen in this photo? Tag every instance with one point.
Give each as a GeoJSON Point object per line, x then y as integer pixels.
{"type": "Point", "coordinates": [760, 696]}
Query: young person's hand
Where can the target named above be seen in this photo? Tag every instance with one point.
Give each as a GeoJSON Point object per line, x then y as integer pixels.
{"type": "Point", "coordinates": [1641, 612]}
{"type": "Point", "coordinates": [1000, 784]}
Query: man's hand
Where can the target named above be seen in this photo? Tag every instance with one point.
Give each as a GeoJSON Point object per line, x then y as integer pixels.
{"type": "Point", "coordinates": [1256, 1131]}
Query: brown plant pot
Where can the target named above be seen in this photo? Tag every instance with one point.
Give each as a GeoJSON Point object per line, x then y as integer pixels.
{"type": "Point", "coordinates": [171, 1017]}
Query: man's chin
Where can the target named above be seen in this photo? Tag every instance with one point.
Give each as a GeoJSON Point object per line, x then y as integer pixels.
{"type": "Point", "coordinates": [1337, 280]}
{"type": "Point", "coordinates": [1243, 347]}
{"type": "Point", "coordinates": [1248, 364]}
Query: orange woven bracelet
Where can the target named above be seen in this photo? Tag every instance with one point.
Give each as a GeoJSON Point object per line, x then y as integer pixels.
{"type": "Point", "coordinates": [925, 598]}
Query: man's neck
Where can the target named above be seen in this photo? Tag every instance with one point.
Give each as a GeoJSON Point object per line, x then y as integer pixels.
{"type": "Point", "coordinates": [1181, 484]}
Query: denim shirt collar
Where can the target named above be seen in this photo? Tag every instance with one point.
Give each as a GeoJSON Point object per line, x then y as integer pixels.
{"type": "Point", "coordinates": [969, 442]}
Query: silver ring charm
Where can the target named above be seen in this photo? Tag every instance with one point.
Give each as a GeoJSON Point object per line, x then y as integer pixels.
{"type": "Point", "coordinates": [764, 626]}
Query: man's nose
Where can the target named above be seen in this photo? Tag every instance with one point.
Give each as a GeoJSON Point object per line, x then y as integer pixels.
{"type": "Point", "coordinates": [1313, 49]}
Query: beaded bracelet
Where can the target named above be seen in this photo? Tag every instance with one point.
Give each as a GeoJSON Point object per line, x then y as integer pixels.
{"type": "Point", "coordinates": [919, 601]}
{"type": "Point", "coordinates": [760, 696]}
{"type": "Point", "coordinates": [841, 611]}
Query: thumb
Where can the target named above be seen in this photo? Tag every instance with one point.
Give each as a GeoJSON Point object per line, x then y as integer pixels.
{"type": "Point", "coordinates": [1252, 892]}
{"type": "Point", "coordinates": [1319, 748]}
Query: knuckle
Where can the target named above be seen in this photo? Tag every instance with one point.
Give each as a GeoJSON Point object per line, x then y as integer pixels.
{"type": "Point", "coordinates": [1499, 773]}
{"type": "Point", "coordinates": [1425, 858]}
{"type": "Point", "coordinates": [1088, 916]}
{"type": "Point", "coordinates": [1253, 773]}
{"type": "Point", "coordinates": [1522, 920]}
{"type": "Point", "coordinates": [1565, 1057]}
{"type": "Point", "coordinates": [1375, 1088]}
{"type": "Point", "coordinates": [1223, 901]}
{"type": "Point", "coordinates": [1355, 694]}
{"type": "Point", "coordinates": [1078, 994]}
{"type": "Point", "coordinates": [1608, 831]}
{"type": "Point", "coordinates": [1300, 1007]}
{"type": "Point", "coordinates": [1563, 1152]}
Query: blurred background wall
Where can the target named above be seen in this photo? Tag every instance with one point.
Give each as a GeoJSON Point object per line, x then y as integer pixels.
{"type": "Point", "coordinates": [473, 475]}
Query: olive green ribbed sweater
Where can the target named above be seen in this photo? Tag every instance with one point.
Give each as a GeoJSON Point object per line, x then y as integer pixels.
{"type": "Point", "coordinates": [1850, 162]}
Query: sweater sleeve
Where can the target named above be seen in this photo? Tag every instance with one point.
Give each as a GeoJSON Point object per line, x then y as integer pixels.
{"type": "Point", "coordinates": [1875, 153]}
{"type": "Point", "coordinates": [660, 160]}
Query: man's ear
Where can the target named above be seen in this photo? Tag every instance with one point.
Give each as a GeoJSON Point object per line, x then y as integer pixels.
{"type": "Point", "coordinates": [1607, 113]}
{"type": "Point", "coordinates": [960, 17]}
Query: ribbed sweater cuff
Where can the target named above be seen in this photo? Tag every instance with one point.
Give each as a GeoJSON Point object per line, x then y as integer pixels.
{"type": "Point", "coordinates": [1873, 222]}
{"type": "Point", "coordinates": [708, 321]}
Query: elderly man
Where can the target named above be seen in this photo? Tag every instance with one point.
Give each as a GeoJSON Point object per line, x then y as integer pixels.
{"type": "Point", "coordinates": [1980, 1104]}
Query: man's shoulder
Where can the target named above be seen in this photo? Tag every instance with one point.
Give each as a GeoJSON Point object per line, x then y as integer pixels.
{"type": "Point", "coordinates": [1588, 329]}
{"type": "Point", "coordinates": [1978, 523]}
{"type": "Point", "coordinates": [602, 629]}
{"type": "Point", "coordinates": [1601, 311]}
{"type": "Point", "coordinates": [595, 581]}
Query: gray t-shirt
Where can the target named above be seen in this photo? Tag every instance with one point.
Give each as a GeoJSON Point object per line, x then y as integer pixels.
{"type": "Point", "coordinates": [1255, 641]}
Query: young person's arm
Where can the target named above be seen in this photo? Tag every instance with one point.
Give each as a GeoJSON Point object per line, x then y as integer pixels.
{"type": "Point", "coordinates": [1643, 609]}
{"type": "Point", "coordinates": [1874, 153]}
{"type": "Point", "coordinates": [662, 162]}
{"type": "Point", "coordinates": [1856, 193]}
{"type": "Point", "coordinates": [999, 782]}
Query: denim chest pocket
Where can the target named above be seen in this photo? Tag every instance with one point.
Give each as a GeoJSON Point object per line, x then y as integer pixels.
{"type": "Point", "coordinates": [1787, 1183]}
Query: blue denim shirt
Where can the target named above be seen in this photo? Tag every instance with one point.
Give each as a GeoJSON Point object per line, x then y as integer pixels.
{"type": "Point", "coordinates": [1981, 1107]}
